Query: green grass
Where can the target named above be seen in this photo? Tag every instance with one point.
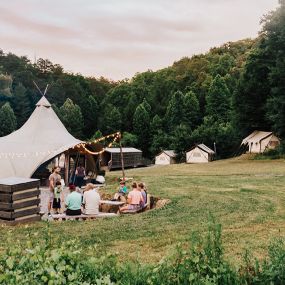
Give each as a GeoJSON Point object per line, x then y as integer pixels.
{"type": "Point", "coordinates": [246, 196]}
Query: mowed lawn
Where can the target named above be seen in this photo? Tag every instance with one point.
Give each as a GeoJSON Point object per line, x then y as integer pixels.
{"type": "Point", "coordinates": [247, 197]}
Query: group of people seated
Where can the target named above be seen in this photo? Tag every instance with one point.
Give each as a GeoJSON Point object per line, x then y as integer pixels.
{"type": "Point", "coordinates": [136, 198]}
{"type": "Point", "coordinates": [75, 202]}
{"type": "Point", "coordinates": [88, 202]}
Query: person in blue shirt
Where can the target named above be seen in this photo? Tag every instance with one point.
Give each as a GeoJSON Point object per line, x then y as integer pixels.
{"type": "Point", "coordinates": [73, 202]}
{"type": "Point", "coordinates": [122, 192]}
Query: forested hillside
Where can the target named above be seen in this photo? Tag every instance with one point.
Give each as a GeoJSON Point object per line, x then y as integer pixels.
{"type": "Point", "coordinates": [216, 97]}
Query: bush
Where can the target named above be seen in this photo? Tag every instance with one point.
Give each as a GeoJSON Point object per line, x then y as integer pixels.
{"type": "Point", "coordinates": [201, 262]}
{"type": "Point", "coordinates": [44, 262]}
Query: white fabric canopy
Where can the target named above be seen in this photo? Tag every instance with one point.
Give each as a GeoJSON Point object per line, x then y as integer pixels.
{"type": "Point", "coordinates": [41, 138]}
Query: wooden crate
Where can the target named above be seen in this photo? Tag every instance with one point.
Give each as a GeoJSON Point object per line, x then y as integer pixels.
{"type": "Point", "coordinates": [19, 200]}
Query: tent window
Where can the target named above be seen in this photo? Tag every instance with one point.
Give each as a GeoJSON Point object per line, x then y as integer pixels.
{"type": "Point", "coordinates": [196, 154]}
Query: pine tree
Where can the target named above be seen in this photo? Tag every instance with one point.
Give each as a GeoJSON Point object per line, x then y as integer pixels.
{"type": "Point", "coordinates": [5, 85]}
{"type": "Point", "coordinates": [249, 100]}
{"type": "Point", "coordinates": [160, 141]}
{"type": "Point", "coordinates": [129, 139]}
{"type": "Point", "coordinates": [112, 120]}
{"type": "Point", "coordinates": [274, 34]}
{"type": "Point", "coordinates": [157, 135]}
{"type": "Point", "coordinates": [21, 104]}
{"type": "Point", "coordinates": [141, 124]}
{"type": "Point", "coordinates": [90, 114]}
{"type": "Point", "coordinates": [218, 100]}
{"type": "Point", "coordinates": [181, 140]}
{"type": "Point", "coordinates": [156, 125]}
{"type": "Point", "coordinates": [7, 119]}
{"type": "Point", "coordinates": [72, 118]}
{"type": "Point", "coordinates": [191, 110]}
{"type": "Point", "coordinates": [146, 106]}
{"type": "Point", "coordinates": [174, 113]}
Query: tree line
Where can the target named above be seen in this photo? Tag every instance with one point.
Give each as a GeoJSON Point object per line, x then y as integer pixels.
{"type": "Point", "coordinates": [217, 97]}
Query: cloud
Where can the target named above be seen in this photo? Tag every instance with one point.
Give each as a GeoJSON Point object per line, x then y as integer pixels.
{"type": "Point", "coordinates": [116, 39]}
{"type": "Point", "coordinates": [23, 24]}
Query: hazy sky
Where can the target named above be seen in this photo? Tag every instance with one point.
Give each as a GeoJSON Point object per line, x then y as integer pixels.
{"type": "Point", "coordinates": [117, 38]}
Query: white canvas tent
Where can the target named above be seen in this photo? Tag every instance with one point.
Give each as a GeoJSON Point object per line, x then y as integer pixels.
{"type": "Point", "coordinates": [259, 141]}
{"type": "Point", "coordinates": [40, 139]}
{"type": "Point", "coordinates": [200, 154]}
{"type": "Point", "coordinates": [165, 157]}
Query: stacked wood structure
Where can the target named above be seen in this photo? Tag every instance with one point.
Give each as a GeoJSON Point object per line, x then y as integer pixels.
{"type": "Point", "coordinates": [111, 158]}
{"type": "Point", "coordinates": [19, 200]}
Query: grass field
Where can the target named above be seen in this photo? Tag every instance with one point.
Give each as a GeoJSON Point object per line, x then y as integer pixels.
{"type": "Point", "coordinates": [247, 197]}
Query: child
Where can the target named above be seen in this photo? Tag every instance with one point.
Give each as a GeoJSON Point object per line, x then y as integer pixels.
{"type": "Point", "coordinates": [122, 191]}
{"type": "Point", "coordinates": [123, 188]}
{"type": "Point", "coordinates": [56, 205]}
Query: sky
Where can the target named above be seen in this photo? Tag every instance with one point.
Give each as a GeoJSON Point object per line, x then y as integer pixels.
{"type": "Point", "coordinates": [118, 38]}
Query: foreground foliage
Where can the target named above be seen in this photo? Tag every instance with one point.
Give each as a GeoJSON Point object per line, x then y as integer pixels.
{"type": "Point", "coordinates": [199, 262]}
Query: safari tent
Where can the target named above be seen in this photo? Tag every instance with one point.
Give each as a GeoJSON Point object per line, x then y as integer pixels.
{"type": "Point", "coordinates": [259, 141]}
{"type": "Point", "coordinates": [41, 139]}
{"type": "Point", "coordinates": [166, 157]}
{"type": "Point", "coordinates": [200, 154]}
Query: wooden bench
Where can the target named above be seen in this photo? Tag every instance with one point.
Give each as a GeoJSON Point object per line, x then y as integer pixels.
{"type": "Point", "coordinates": [82, 217]}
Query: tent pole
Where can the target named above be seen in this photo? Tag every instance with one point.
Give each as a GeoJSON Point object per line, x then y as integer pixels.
{"type": "Point", "coordinates": [66, 168]}
{"type": "Point", "coordinates": [122, 158]}
{"type": "Point", "coordinates": [75, 165]}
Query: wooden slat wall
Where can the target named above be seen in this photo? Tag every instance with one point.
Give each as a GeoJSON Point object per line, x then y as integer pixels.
{"type": "Point", "coordinates": [19, 202]}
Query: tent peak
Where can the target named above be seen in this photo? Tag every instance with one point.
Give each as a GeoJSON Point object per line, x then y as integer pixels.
{"type": "Point", "coordinates": [43, 102]}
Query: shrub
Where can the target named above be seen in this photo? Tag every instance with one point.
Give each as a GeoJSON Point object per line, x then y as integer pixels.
{"type": "Point", "coordinates": [44, 262]}
{"type": "Point", "coordinates": [201, 262]}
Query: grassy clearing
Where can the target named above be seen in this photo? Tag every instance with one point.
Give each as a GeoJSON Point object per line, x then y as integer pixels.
{"type": "Point", "coordinates": [246, 196]}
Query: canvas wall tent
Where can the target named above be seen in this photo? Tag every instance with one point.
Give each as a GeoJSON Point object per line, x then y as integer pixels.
{"type": "Point", "coordinates": [40, 139]}
{"type": "Point", "coordinates": [259, 141]}
{"type": "Point", "coordinates": [165, 157]}
{"type": "Point", "coordinates": [200, 154]}
{"type": "Point", "coordinates": [111, 158]}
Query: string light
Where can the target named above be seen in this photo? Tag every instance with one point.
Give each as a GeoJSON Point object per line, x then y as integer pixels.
{"type": "Point", "coordinates": [13, 155]}
{"type": "Point", "coordinates": [115, 135]}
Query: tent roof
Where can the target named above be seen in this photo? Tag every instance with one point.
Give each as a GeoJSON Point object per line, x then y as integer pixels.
{"type": "Point", "coordinates": [169, 153]}
{"type": "Point", "coordinates": [41, 138]}
{"type": "Point", "coordinates": [124, 149]}
{"type": "Point", "coordinates": [256, 136]}
{"type": "Point", "coordinates": [43, 102]}
{"type": "Point", "coordinates": [203, 148]}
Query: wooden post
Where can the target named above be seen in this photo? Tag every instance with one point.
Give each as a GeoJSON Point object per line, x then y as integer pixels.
{"type": "Point", "coordinates": [122, 158]}
{"type": "Point", "coordinates": [66, 174]}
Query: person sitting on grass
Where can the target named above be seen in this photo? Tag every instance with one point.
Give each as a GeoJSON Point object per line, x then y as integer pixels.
{"type": "Point", "coordinates": [58, 197]}
{"type": "Point", "coordinates": [142, 188]}
{"type": "Point", "coordinates": [134, 199]}
{"type": "Point", "coordinates": [73, 202]}
{"type": "Point", "coordinates": [123, 190]}
{"type": "Point", "coordinates": [91, 200]}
